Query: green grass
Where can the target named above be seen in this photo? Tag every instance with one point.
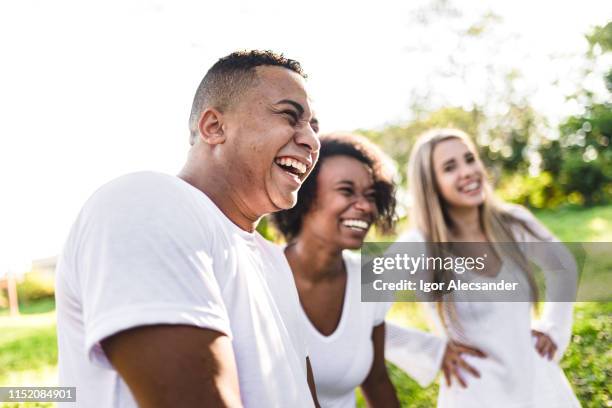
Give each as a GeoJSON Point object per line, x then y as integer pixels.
{"type": "Point", "coordinates": [588, 360]}
{"type": "Point", "coordinates": [28, 350]}
{"type": "Point", "coordinates": [574, 224]}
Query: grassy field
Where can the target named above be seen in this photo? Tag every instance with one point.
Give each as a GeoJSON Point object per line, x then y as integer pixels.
{"type": "Point", "coordinates": [28, 350]}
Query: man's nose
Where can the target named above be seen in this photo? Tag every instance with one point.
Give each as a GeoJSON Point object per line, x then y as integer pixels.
{"type": "Point", "coordinates": [307, 137]}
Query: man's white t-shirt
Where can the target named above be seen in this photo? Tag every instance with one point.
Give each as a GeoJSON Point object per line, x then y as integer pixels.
{"type": "Point", "coordinates": [149, 249]}
{"type": "Point", "coordinates": [342, 361]}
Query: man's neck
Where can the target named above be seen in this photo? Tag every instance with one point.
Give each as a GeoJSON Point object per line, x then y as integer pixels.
{"type": "Point", "coordinates": [221, 193]}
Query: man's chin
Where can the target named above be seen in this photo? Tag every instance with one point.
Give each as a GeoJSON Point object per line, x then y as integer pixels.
{"type": "Point", "coordinates": [285, 201]}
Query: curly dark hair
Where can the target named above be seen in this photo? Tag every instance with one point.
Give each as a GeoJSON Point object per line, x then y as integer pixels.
{"type": "Point", "coordinates": [227, 79]}
{"type": "Point", "coordinates": [289, 222]}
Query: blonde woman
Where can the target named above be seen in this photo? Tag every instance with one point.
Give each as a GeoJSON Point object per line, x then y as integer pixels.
{"type": "Point", "coordinates": [453, 202]}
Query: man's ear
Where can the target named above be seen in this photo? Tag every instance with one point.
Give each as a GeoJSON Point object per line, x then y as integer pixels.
{"type": "Point", "coordinates": [210, 127]}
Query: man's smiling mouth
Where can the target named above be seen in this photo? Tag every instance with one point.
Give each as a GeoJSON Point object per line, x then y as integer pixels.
{"type": "Point", "coordinates": [291, 165]}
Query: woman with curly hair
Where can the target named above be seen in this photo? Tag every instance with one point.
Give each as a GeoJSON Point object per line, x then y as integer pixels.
{"type": "Point", "coordinates": [350, 189]}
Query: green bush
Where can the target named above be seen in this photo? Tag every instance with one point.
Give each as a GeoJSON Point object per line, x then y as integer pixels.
{"type": "Point", "coordinates": [36, 286]}
{"type": "Point", "coordinates": [588, 360]}
{"type": "Point", "coordinates": [3, 299]}
{"type": "Point", "coordinates": [539, 192]}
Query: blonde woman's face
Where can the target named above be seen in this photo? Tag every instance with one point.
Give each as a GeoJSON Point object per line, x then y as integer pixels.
{"type": "Point", "coordinates": [459, 173]}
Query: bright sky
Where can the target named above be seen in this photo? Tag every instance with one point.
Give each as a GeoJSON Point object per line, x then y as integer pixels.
{"type": "Point", "coordinates": [91, 90]}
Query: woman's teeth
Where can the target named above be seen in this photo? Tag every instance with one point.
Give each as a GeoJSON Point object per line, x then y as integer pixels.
{"type": "Point", "coordinates": [292, 165]}
{"type": "Point", "coordinates": [471, 187]}
{"type": "Point", "coordinates": [356, 224]}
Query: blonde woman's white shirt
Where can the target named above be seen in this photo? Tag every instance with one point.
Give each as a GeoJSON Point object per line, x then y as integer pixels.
{"type": "Point", "coordinates": [341, 361]}
{"type": "Point", "coordinates": [513, 375]}
{"type": "Point", "coordinates": [150, 249]}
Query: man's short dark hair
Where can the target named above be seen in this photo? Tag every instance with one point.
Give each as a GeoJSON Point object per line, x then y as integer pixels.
{"type": "Point", "coordinates": [289, 222]}
{"type": "Point", "coordinates": [225, 81]}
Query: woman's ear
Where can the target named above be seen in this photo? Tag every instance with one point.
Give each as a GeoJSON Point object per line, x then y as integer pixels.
{"type": "Point", "coordinates": [210, 127]}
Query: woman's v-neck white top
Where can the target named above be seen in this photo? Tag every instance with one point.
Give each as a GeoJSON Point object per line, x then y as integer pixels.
{"type": "Point", "coordinates": [341, 361]}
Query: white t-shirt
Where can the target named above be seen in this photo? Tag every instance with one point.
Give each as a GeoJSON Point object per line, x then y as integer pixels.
{"type": "Point", "coordinates": [150, 249]}
{"type": "Point", "coordinates": [341, 361]}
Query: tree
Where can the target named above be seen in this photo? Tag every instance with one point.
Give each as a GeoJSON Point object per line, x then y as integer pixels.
{"type": "Point", "coordinates": [582, 158]}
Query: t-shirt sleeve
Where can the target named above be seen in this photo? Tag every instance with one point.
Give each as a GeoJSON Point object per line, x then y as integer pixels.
{"type": "Point", "coordinates": [143, 258]}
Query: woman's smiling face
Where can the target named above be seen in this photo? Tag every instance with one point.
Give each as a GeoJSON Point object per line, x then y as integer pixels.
{"type": "Point", "coordinates": [459, 173]}
{"type": "Point", "coordinates": [345, 203]}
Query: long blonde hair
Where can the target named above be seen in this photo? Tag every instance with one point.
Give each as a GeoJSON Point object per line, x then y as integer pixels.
{"type": "Point", "coordinates": [429, 214]}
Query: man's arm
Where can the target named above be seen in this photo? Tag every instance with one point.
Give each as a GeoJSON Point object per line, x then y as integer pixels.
{"type": "Point", "coordinates": [176, 366]}
{"type": "Point", "coordinates": [377, 387]}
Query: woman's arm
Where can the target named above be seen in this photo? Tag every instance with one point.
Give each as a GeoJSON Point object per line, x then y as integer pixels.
{"type": "Point", "coordinates": [377, 387]}
{"type": "Point", "coordinates": [422, 355]}
{"type": "Point", "coordinates": [553, 329]}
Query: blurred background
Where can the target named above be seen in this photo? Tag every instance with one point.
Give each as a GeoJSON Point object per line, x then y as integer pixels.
{"type": "Point", "coordinates": [90, 91]}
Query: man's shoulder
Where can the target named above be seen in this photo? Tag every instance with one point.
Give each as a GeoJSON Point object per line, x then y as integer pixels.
{"type": "Point", "coordinates": [144, 182]}
{"type": "Point", "coordinates": [147, 202]}
{"type": "Point", "coordinates": [144, 191]}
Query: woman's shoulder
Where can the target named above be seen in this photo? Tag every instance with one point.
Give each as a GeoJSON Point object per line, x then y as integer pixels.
{"type": "Point", "coordinates": [359, 311]}
{"type": "Point", "coordinates": [527, 223]}
{"type": "Point", "coordinates": [519, 212]}
{"type": "Point", "coordinates": [352, 260]}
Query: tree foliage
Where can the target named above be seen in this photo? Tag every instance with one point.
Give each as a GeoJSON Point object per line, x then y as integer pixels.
{"type": "Point", "coordinates": [581, 160]}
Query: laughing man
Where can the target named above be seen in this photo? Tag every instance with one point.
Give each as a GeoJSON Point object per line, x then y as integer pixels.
{"type": "Point", "coordinates": [166, 295]}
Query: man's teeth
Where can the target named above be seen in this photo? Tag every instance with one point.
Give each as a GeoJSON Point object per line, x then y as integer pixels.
{"type": "Point", "coordinates": [287, 161]}
{"type": "Point", "coordinates": [356, 224]}
{"type": "Point", "coordinates": [471, 187]}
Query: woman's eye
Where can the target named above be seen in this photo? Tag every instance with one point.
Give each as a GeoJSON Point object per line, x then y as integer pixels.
{"type": "Point", "coordinates": [447, 169]}
{"type": "Point", "coordinates": [346, 191]}
{"type": "Point", "coordinates": [371, 197]}
{"type": "Point", "coordinates": [470, 159]}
